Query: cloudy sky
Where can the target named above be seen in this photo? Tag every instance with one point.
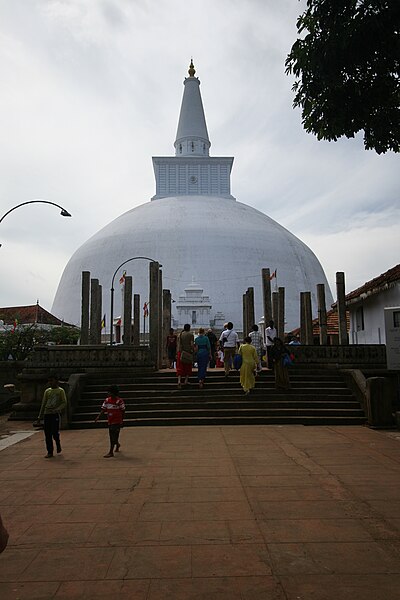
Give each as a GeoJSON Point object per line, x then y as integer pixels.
{"type": "Point", "coordinates": [91, 89]}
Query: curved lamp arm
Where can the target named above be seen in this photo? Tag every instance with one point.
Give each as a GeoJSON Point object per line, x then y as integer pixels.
{"type": "Point", "coordinates": [112, 290]}
{"type": "Point", "coordinates": [126, 261]}
{"type": "Point", "coordinates": [64, 212]}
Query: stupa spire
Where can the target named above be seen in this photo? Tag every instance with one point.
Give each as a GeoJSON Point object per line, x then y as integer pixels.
{"type": "Point", "coordinates": [192, 135]}
{"type": "Point", "coordinates": [192, 172]}
{"type": "Point", "coordinates": [192, 70]}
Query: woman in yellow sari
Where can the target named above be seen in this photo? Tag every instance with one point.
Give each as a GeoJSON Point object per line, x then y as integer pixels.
{"type": "Point", "coordinates": [249, 365]}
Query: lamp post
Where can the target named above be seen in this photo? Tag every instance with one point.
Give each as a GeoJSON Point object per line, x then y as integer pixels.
{"type": "Point", "coordinates": [64, 212]}
{"type": "Point", "coordinates": [112, 290]}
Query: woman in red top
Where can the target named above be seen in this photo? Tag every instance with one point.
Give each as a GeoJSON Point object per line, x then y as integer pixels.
{"type": "Point", "coordinates": [114, 408]}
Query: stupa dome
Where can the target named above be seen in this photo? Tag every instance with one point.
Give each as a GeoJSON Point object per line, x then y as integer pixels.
{"type": "Point", "coordinates": [198, 232]}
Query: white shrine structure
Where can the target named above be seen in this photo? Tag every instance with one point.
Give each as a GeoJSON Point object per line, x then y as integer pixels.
{"type": "Point", "coordinates": [193, 308]}
{"type": "Point", "coordinates": [193, 224]}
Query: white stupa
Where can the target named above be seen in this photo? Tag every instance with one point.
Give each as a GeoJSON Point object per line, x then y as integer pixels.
{"type": "Point", "coordinates": [194, 227]}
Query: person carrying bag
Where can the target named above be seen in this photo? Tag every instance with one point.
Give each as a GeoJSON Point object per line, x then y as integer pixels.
{"type": "Point", "coordinates": [185, 355]}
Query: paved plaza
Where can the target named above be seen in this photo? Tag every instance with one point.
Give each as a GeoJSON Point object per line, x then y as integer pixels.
{"type": "Point", "coordinates": [190, 513]}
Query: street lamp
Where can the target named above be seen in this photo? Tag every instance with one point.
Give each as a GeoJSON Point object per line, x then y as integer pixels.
{"type": "Point", "coordinates": [112, 290]}
{"type": "Point", "coordinates": [63, 213]}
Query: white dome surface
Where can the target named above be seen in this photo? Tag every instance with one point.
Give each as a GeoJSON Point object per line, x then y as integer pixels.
{"type": "Point", "coordinates": [221, 243]}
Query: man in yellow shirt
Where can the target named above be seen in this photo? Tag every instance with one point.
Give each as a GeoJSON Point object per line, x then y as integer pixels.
{"type": "Point", "coordinates": [53, 404]}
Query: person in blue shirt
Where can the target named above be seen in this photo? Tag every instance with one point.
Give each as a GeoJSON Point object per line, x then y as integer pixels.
{"type": "Point", "coordinates": [203, 349]}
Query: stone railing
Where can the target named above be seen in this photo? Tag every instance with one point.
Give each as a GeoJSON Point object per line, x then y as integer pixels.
{"type": "Point", "coordinates": [9, 370]}
{"type": "Point", "coordinates": [361, 356]}
{"type": "Point", "coordinates": [81, 358]}
{"type": "Point", "coordinates": [71, 363]}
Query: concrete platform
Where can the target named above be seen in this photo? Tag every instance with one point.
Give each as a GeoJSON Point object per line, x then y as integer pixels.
{"type": "Point", "coordinates": [193, 513]}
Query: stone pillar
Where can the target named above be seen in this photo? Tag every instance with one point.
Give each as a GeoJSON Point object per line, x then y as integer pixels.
{"type": "Point", "coordinates": [127, 335]}
{"type": "Point", "coordinates": [323, 325]}
{"type": "Point", "coordinates": [245, 324]}
{"type": "Point", "coordinates": [85, 308]}
{"type": "Point", "coordinates": [308, 319]}
{"type": "Point", "coordinates": [136, 320]}
{"type": "Point", "coordinates": [281, 313]}
{"type": "Point", "coordinates": [160, 319]}
{"type": "Point", "coordinates": [100, 309]}
{"type": "Point", "coordinates": [341, 308]}
{"type": "Point", "coordinates": [250, 309]}
{"type": "Point", "coordinates": [248, 324]}
{"type": "Point", "coordinates": [154, 301]}
{"type": "Point", "coordinates": [95, 312]}
{"type": "Point", "coordinates": [166, 316]}
{"type": "Point", "coordinates": [266, 288]}
{"type": "Point", "coordinates": [275, 311]}
{"type": "Point", "coordinates": [302, 319]}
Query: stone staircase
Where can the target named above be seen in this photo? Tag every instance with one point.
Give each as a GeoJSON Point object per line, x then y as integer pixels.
{"type": "Point", "coordinates": [318, 397]}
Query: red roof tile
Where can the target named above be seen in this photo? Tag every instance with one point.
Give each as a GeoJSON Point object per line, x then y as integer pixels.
{"type": "Point", "coordinates": [29, 314]}
{"type": "Point", "coordinates": [332, 322]}
{"type": "Point", "coordinates": [378, 284]}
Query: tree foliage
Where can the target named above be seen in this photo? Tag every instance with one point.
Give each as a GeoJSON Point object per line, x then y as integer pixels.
{"type": "Point", "coordinates": [19, 343]}
{"type": "Point", "coordinates": [347, 70]}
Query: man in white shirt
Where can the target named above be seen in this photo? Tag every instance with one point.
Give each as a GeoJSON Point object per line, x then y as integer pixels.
{"type": "Point", "coordinates": [229, 339]}
{"type": "Point", "coordinates": [270, 335]}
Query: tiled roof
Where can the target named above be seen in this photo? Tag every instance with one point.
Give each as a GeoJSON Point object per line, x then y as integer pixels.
{"type": "Point", "coordinates": [378, 284]}
{"type": "Point", "coordinates": [29, 314]}
{"type": "Point", "coordinates": [332, 324]}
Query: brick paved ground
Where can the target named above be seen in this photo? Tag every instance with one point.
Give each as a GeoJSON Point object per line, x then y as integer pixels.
{"type": "Point", "coordinates": [227, 513]}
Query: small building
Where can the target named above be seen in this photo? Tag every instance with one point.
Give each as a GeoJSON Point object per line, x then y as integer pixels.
{"type": "Point", "coordinates": [218, 321]}
{"type": "Point", "coordinates": [332, 323]}
{"type": "Point", "coordinates": [366, 306]}
{"type": "Point", "coordinates": [12, 317]}
{"type": "Point", "coordinates": [193, 307]}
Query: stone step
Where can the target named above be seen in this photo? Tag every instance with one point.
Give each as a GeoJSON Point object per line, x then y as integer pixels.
{"type": "Point", "coordinates": [318, 396]}
{"type": "Point", "coordinates": [107, 379]}
{"type": "Point", "coordinates": [218, 402]}
{"type": "Point", "coordinates": [232, 420]}
{"type": "Point", "coordinates": [310, 393]}
{"type": "Point", "coordinates": [221, 412]}
{"type": "Point", "coordinates": [211, 385]}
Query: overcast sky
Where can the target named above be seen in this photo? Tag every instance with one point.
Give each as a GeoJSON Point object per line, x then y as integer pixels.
{"type": "Point", "coordinates": [91, 90]}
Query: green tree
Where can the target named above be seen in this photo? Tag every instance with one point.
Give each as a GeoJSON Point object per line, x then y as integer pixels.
{"type": "Point", "coordinates": [347, 70]}
{"type": "Point", "coordinates": [19, 343]}
{"type": "Point", "coordinates": [64, 335]}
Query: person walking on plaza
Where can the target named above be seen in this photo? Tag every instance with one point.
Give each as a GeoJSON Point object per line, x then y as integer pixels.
{"type": "Point", "coordinates": [258, 343]}
{"type": "Point", "coordinates": [184, 358]}
{"type": "Point", "coordinates": [114, 407]}
{"type": "Point", "coordinates": [53, 404]}
{"type": "Point", "coordinates": [270, 335]}
{"type": "Point", "coordinates": [202, 347]}
{"type": "Point", "coordinates": [249, 365]}
{"type": "Point", "coordinates": [228, 341]}
{"type": "Point", "coordinates": [278, 354]}
{"type": "Point", "coordinates": [171, 343]}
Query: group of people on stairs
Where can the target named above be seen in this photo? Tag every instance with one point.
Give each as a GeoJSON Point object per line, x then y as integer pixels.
{"type": "Point", "coordinates": [185, 349]}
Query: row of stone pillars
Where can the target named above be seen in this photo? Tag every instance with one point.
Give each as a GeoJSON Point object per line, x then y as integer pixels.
{"type": "Point", "coordinates": [160, 304]}
{"type": "Point", "coordinates": [91, 309]}
{"type": "Point", "coordinates": [274, 310]}
{"type": "Point", "coordinates": [160, 316]}
{"type": "Point", "coordinates": [160, 312]}
{"type": "Point", "coordinates": [91, 312]}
